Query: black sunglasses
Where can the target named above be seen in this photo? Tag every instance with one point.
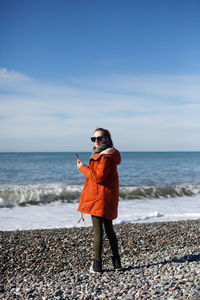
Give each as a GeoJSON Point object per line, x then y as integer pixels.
{"type": "Point", "coordinates": [99, 138]}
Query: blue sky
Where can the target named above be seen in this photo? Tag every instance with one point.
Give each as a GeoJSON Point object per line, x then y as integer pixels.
{"type": "Point", "coordinates": [67, 67]}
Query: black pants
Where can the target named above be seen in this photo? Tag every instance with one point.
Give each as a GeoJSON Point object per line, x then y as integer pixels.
{"type": "Point", "coordinates": [100, 225]}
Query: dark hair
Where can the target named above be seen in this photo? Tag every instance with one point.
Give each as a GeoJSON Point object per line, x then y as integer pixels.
{"type": "Point", "coordinates": [106, 134]}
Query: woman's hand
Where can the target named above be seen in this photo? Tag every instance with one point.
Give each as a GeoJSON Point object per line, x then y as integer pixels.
{"type": "Point", "coordinates": [79, 163]}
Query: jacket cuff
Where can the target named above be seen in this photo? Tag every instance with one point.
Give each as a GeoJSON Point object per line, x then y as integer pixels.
{"type": "Point", "coordinates": [82, 168]}
{"type": "Point", "coordinates": [85, 170]}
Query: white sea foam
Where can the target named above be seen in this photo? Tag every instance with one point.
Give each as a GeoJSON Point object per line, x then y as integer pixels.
{"type": "Point", "coordinates": [65, 215]}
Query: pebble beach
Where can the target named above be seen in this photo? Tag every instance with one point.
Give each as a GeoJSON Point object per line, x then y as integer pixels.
{"type": "Point", "coordinates": [160, 261]}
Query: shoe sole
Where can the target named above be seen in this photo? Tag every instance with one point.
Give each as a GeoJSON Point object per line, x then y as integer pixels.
{"type": "Point", "coordinates": [94, 272]}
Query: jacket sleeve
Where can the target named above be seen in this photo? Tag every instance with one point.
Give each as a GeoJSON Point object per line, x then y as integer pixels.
{"type": "Point", "coordinates": [102, 171]}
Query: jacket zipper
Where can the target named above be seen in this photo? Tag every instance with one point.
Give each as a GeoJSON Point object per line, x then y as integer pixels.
{"type": "Point", "coordinates": [97, 188]}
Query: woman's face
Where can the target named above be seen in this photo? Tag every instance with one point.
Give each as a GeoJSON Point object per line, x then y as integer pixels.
{"type": "Point", "coordinates": [99, 133]}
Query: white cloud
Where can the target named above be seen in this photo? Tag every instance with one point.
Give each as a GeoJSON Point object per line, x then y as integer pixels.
{"type": "Point", "coordinates": [143, 113]}
{"type": "Point", "coordinates": [162, 86]}
{"type": "Point", "coordinates": [11, 76]}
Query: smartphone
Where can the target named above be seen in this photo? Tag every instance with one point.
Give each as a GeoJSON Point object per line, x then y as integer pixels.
{"type": "Point", "coordinates": [77, 156]}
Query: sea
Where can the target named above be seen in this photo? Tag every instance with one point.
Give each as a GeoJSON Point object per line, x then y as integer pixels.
{"type": "Point", "coordinates": [42, 190]}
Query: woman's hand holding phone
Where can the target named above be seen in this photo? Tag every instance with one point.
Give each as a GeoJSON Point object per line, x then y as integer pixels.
{"type": "Point", "coordinates": [79, 162]}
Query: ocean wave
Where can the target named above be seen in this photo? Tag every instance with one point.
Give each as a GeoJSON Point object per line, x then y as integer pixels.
{"type": "Point", "coordinates": [49, 193]}
{"type": "Point", "coordinates": [160, 191]}
{"type": "Point", "coordinates": [38, 194]}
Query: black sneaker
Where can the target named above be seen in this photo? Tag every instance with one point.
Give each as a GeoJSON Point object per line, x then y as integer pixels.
{"type": "Point", "coordinates": [116, 263]}
{"type": "Point", "coordinates": [96, 266]}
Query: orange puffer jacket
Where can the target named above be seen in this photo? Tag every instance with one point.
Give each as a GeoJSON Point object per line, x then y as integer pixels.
{"type": "Point", "coordinates": [100, 193]}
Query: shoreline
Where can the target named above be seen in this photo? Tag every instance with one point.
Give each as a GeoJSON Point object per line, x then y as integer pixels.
{"type": "Point", "coordinates": [66, 215]}
{"type": "Point", "coordinates": [161, 260]}
{"type": "Point", "coordinates": [90, 226]}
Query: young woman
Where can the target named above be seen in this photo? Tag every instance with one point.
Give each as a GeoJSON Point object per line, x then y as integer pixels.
{"type": "Point", "coordinates": [100, 195]}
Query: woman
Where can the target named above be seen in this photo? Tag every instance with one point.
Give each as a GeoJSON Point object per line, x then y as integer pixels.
{"type": "Point", "coordinates": [100, 195]}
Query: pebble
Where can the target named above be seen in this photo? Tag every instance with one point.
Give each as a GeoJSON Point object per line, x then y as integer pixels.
{"type": "Point", "coordinates": [160, 261]}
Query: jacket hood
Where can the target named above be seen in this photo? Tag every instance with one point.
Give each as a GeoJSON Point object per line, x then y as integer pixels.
{"type": "Point", "coordinates": [110, 152]}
